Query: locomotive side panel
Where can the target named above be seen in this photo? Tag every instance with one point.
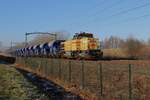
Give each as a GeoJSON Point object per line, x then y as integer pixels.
{"type": "Point", "coordinates": [82, 48]}
{"type": "Point", "coordinates": [75, 45]}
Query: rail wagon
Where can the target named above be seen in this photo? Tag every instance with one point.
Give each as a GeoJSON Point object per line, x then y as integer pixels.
{"type": "Point", "coordinates": [55, 48]}
{"type": "Point", "coordinates": [37, 50]}
{"type": "Point", "coordinates": [46, 50]}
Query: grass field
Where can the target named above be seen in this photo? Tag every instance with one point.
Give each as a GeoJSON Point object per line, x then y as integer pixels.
{"type": "Point", "coordinates": [10, 87]}
{"type": "Point", "coordinates": [14, 86]}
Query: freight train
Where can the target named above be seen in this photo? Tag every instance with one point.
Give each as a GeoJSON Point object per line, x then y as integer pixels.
{"type": "Point", "coordinates": [81, 46]}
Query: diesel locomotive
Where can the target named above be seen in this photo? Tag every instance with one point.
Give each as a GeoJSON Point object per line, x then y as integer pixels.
{"type": "Point", "coordinates": [81, 46]}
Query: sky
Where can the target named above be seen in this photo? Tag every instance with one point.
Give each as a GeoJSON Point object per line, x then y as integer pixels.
{"type": "Point", "coordinates": [104, 18]}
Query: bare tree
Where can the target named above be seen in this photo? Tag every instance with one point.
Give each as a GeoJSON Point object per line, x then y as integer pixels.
{"type": "Point", "coordinates": [149, 41]}
{"type": "Point", "coordinates": [0, 44]}
{"type": "Point", "coordinates": [62, 35]}
{"type": "Point", "coordinates": [106, 43]}
{"type": "Point", "coordinates": [116, 42]}
{"type": "Point", "coordinates": [134, 47]}
{"type": "Point", "coordinates": [113, 42]}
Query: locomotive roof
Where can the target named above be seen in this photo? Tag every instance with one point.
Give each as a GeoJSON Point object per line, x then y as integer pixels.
{"type": "Point", "coordinates": [83, 34]}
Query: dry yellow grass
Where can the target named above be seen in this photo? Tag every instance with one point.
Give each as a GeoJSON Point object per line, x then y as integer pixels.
{"type": "Point", "coordinates": [115, 52]}
{"type": "Point", "coordinates": [144, 53]}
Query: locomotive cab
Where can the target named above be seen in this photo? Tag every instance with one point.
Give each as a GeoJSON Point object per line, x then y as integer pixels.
{"type": "Point", "coordinates": [82, 35]}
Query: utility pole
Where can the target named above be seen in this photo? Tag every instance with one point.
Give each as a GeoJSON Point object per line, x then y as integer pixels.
{"type": "Point", "coordinates": [11, 45]}
{"type": "Point", "coordinates": [26, 42]}
{"type": "Point", "coordinates": [26, 34]}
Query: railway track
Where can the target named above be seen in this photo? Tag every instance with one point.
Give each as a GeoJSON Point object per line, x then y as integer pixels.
{"type": "Point", "coordinates": [101, 59]}
{"type": "Point", "coordinates": [7, 59]}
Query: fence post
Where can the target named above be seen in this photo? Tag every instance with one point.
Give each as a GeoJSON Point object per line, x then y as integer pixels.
{"type": "Point", "coordinates": [59, 68]}
{"type": "Point", "coordinates": [46, 70]}
{"type": "Point", "coordinates": [32, 61]}
{"type": "Point", "coordinates": [82, 74]}
{"type": "Point", "coordinates": [25, 61]}
{"type": "Point", "coordinates": [39, 65]}
{"type": "Point", "coordinates": [45, 66]}
{"type": "Point", "coordinates": [41, 68]}
{"type": "Point", "coordinates": [52, 66]}
{"type": "Point", "coordinates": [130, 82]}
{"type": "Point", "coordinates": [100, 78]}
{"type": "Point", "coordinates": [64, 71]}
{"type": "Point", "coordinates": [69, 70]}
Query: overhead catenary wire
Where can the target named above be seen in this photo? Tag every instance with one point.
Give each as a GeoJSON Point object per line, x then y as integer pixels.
{"type": "Point", "coordinates": [108, 7]}
{"type": "Point", "coordinates": [105, 8]}
{"type": "Point", "coordinates": [119, 13]}
{"type": "Point", "coordinates": [89, 9]}
{"type": "Point", "coordinates": [101, 10]}
{"type": "Point", "coordinates": [97, 5]}
{"type": "Point", "coordinates": [93, 7]}
{"type": "Point", "coordinates": [128, 19]}
{"type": "Point", "coordinates": [135, 18]}
{"type": "Point", "coordinates": [130, 9]}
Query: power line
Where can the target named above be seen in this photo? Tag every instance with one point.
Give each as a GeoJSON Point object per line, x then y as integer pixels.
{"type": "Point", "coordinates": [97, 5]}
{"type": "Point", "coordinates": [109, 7]}
{"type": "Point", "coordinates": [124, 12]}
{"type": "Point", "coordinates": [131, 9]}
{"type": "Point", "coordinates": [136, 18]}
{"type": "Point", "coordinates": [90, 9]}
{"type": "Point", "coordinates": [104, 9]}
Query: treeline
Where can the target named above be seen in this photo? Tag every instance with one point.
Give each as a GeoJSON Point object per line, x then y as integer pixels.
{"type": "Point", "coordinates": [132, 47]}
